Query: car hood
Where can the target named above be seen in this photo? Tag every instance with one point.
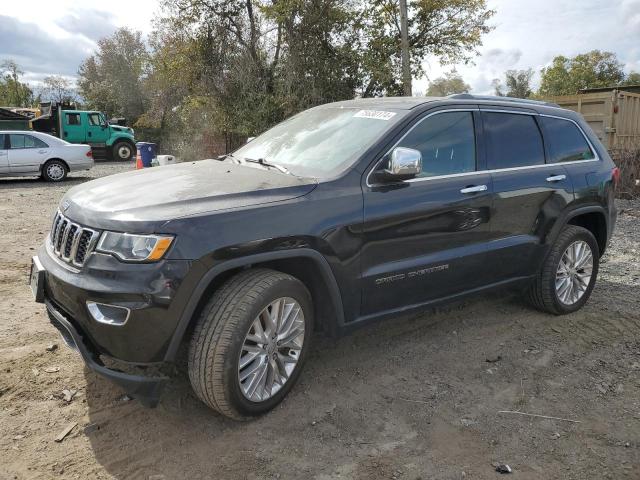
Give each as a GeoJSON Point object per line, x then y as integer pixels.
{"type": "Point", "coordinates": [155, 195]}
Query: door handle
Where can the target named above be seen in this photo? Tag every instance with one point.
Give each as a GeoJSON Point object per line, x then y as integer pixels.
{"type": "Point", "coordinates": [556, 178]}
{"type": "Point", "coordinates": [474, 189]}
{"type": "Point", "coordinates": [42, 151]}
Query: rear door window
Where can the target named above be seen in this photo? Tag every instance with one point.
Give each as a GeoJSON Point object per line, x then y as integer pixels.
{"type": "Point", "coordinates": [566, 142]}
{"type": "Point", "coordinates": [447, 143]}
{"type": "Point", "coordinates": [73, 118]}
{"type": "Point", "coordinates": [513, 140]}
{"type": "Point", "coordinates": [26, 141]}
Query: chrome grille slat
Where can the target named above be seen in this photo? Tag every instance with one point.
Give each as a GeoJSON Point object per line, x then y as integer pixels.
{"type": "Point", "coordinates": [71, 242]}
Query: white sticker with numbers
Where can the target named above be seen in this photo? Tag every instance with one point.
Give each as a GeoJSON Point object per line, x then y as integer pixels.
{"type": "Point", "coordinates": [377, 114]}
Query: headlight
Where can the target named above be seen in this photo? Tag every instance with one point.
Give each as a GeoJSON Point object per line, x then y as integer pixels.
{"type": "Point", "coordinates": [137, 248]}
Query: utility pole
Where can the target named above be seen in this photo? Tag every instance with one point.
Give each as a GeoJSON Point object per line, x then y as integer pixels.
{"type": "Point", "coordinates": [404, 46]}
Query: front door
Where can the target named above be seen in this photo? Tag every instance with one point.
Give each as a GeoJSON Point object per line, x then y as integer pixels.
{"type": "Point", "coordinates": [26, 153]}
{"type": "Point", "coordinates": [97, 129]}
{"type": "Point", "coordinates": [426, 238]}
{"type": "Point", "coordinates": [73, 131]}
{"type": "Point", "coordinates": [530, 193]}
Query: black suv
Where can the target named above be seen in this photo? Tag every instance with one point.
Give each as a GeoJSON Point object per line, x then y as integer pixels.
{"type": "Point", "coordinates": [343, 214]}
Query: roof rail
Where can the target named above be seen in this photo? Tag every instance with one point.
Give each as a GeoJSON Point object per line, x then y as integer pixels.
{"type": "Point", "coordinates": [468, 96]}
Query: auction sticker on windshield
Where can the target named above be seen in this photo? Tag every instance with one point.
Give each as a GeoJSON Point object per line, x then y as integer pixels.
{"type": "Point", "coordinates": [377, 114]}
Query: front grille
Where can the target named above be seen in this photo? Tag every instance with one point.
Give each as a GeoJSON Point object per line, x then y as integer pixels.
{"type": "Point", "coordinates": [72, 242]}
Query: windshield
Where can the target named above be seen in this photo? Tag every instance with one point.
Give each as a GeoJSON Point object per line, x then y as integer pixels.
{"type": "Point", "coordinates": [320, 142]}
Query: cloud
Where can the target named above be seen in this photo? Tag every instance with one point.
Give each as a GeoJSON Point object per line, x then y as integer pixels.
{"type": "Point", "coordinates": [501, 58]}
{"type": "Point", "coordinates": [38, 52]}
{"type": "Point", "coordinates": [90, 22]}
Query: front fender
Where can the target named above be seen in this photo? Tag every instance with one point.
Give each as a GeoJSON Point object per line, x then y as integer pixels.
{"type": "Point", "coordinates": [119, 136]}
{"type": "Point", "coordinates": [211, 274]}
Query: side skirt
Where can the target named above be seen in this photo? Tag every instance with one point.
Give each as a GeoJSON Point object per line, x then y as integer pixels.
{"type": "Point", "coordinates": [408, 309]}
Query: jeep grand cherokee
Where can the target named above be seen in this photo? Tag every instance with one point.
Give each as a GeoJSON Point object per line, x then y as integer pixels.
{"type": "Point", "coordinates": [343, 214]}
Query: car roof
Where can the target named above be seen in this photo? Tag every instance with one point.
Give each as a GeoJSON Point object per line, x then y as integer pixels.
{"type": "Point", "coordinates": [408, 103]}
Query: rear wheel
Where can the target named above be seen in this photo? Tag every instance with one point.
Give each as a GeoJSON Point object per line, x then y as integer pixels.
{"type": "Point", "coordinates": [569, 272]}
{"type": "Point", "coordinates": [250, 343]}
{"type": "Point", "coordinates": [123, 151]}
{"type": "Point", "coordinates": [54, 171]}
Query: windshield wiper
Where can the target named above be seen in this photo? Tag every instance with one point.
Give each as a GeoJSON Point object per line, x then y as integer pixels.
{"type": "Point", "coordinates": [262, 161]}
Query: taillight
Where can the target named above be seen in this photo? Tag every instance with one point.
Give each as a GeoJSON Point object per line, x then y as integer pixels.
{"type": "Point", "coordinates": [615, 175]}
{"type": "Point", "coordinates": [89, 153]}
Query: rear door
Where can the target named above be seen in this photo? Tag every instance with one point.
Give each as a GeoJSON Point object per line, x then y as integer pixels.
{"type": "Point", "coordinates": [73, 127]}
{"type": "Point", "coordinates": [26, 153]}
{"type": "Point", "coordinates": [530, 193]}
{"type": "Point", "coordinates": [4, 154]}
{"type": "Point", "coordinates": [425, 238]}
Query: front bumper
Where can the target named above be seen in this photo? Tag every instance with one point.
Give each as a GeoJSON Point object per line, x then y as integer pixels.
{"type": "Point", "coordinates": [148, 291]}
{"type": "Point", "coordinates": [145, 389]}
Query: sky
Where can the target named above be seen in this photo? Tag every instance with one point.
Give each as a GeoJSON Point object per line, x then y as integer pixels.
{"type": "Point", "coordinates": [54, 37]}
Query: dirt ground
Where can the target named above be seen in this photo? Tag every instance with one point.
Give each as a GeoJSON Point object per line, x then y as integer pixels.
{"type": "Point", "coordinates": [414, 398]}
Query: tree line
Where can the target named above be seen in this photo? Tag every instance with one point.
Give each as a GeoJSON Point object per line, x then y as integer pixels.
{"type": "Point", "coordinates": [229, 69]}
{"type": "Point", "coordinates": [565, 76]}
{"type": "Point", "coordinates": [233, 68]}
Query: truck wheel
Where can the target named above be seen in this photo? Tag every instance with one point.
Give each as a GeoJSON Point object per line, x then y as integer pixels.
{"type": "Point", "coordinates": [568, 274]}
{"type": "Point", "coordinates": [250, 343]}
{"type": "Point", "coordinates": [123, 151]}
{"type": "Point", "coordinates": [54, 171]}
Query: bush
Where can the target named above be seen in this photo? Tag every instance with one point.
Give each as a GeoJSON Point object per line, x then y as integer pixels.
{"type": "Point", "coordinates": [628, 160]}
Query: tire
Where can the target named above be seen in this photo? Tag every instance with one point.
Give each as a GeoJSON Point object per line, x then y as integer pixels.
{"type": "Point", "coordinates": [221, 336]}
{"type": "Point", "coordinates": [543, 293]}
{"type": "Point", "coordinates": [123, 151]}
{"type": "Point", "coordinates": [54, 171]}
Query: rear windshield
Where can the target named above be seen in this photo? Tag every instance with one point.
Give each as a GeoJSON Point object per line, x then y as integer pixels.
{"type": "Point", "coordinates": [321, 142]}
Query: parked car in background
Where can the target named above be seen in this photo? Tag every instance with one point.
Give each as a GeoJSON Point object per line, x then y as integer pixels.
{"type": "Point", "coordinates": [343, 214]}
{"type": "Point", "coordinates": [27, 153]}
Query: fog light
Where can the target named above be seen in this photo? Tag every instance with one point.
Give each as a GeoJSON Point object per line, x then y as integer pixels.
{"type": "Point", "coordinates": [108, 314]}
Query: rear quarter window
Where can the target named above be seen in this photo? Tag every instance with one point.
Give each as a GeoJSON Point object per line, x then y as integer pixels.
{"type": "Point", "coordinates": [513, 140]}
{"type": "Point", "coordinates": [566, 141]}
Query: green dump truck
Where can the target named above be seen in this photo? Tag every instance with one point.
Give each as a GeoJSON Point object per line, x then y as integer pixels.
{"type": "Point", "coordinates": [113, 142]}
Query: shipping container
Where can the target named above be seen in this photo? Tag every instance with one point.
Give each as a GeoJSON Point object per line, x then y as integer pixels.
{"type": "Point", "coordinates": [613, 114]}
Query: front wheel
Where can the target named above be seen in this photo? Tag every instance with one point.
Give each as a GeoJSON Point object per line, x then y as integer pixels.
{"type": "Point", "coordinates": [250, 343]}
{"type": "Point", "coordinates": [123, 151]}
{"type": "Point", "coordinates": [568, 274]}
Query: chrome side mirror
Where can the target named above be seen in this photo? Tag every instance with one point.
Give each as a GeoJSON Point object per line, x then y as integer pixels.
{"type": "Point", "coordinates": [404, 163]}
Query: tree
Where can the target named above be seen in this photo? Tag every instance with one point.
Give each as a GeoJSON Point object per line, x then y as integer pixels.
{"type": "Point", "coordinates": [517, 84]}
{"type": "Point", "coordinates": [58, 89]}
{"type": "Point", "coordinates": [566, 76]}
{"type": "Point", "coordinates": [632, 79]}
{"type": "Point", "coordinates": [13, 92]}
{"type": "Point", "coordinates": [449, 84]}
{"type": "Point", "coordinates": [448, 29]}
{"type": "Point", "coordinates": [111, 80]}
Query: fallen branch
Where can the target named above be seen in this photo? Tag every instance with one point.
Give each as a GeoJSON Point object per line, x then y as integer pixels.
{"type": "Point", "coordinates": [540, 416]}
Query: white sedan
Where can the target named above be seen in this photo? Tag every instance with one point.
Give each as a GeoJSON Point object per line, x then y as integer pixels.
{"type": "Point", "coordinates": [26, 153]}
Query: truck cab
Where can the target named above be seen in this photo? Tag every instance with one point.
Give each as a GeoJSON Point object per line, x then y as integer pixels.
{"type": "Point", "coordinates": [87, 127]}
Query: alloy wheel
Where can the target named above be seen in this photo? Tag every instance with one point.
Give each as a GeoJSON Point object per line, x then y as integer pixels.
{"type": "Point", "coordinates": [55, 171]}
{"type": "Point", "coordinates": [574, 272]}
{"type": "Point", "coordinates": [271, 349]}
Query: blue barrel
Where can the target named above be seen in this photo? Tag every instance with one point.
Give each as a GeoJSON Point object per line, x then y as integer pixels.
{"type": "Point", "coordinates": [147, 152]}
